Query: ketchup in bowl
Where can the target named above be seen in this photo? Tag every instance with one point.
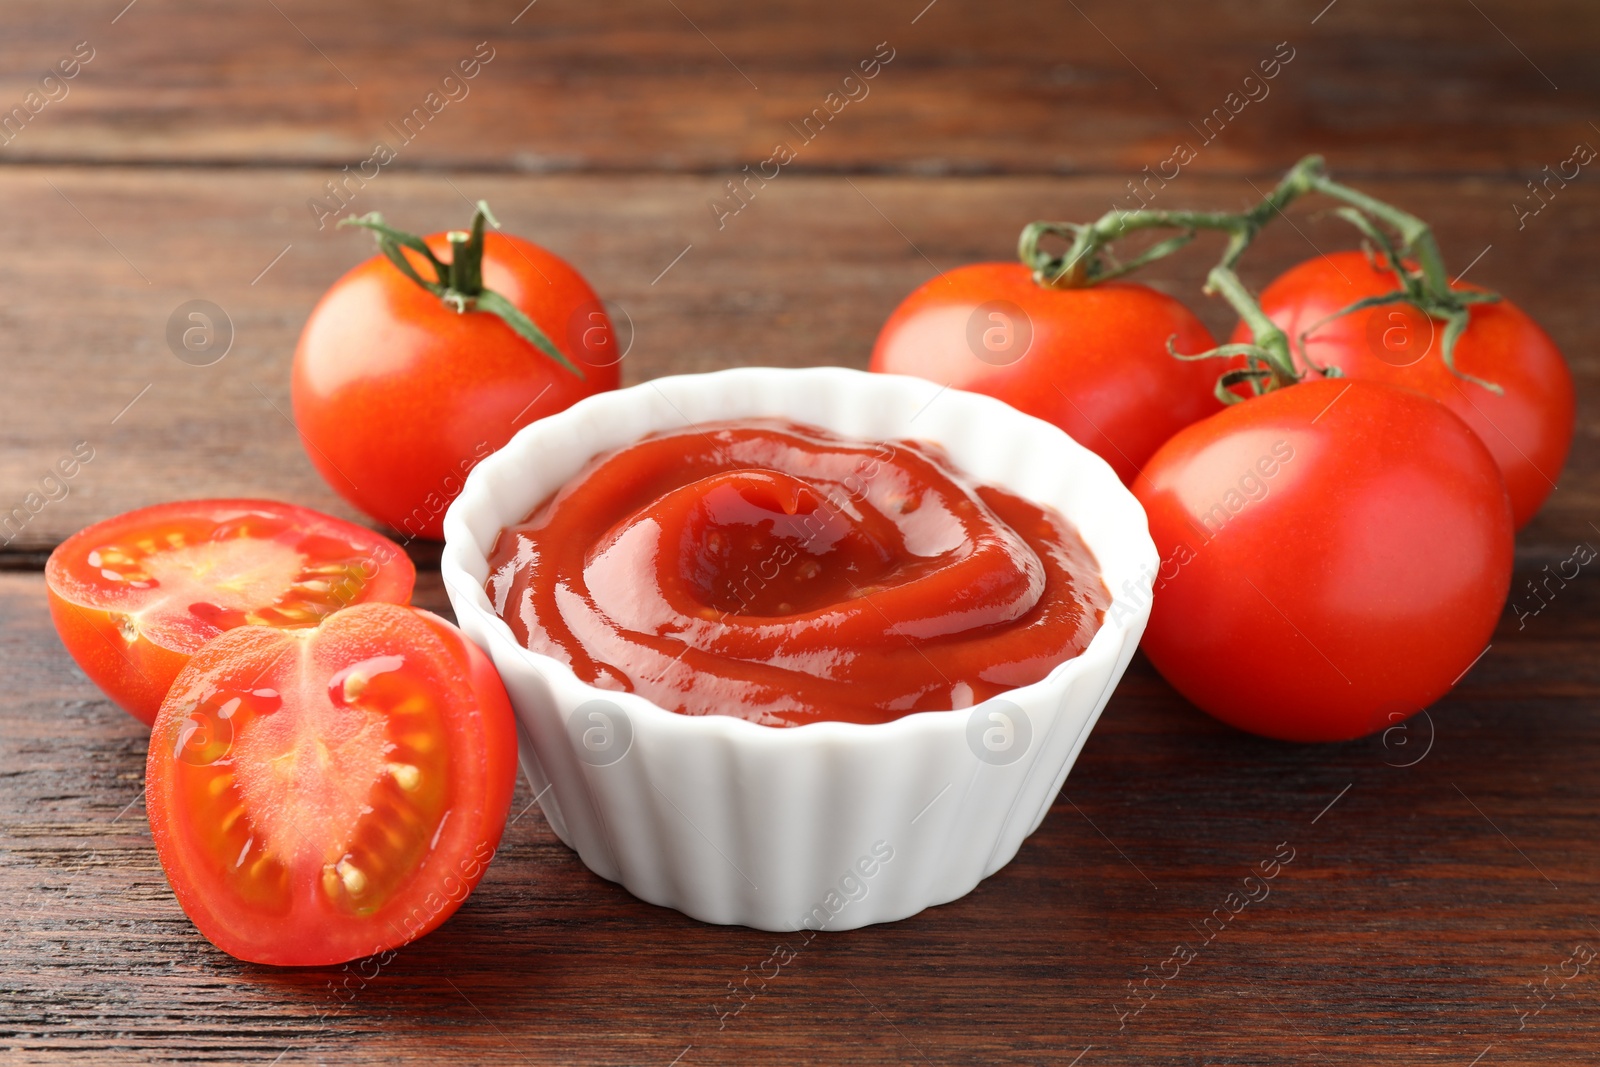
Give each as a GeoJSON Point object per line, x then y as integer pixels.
{"type": "Point", "coordinates": [783, 574]}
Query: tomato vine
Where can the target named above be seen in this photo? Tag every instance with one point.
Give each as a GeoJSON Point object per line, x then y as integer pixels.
{"type": "Point", "coordinates": [1403, 239]}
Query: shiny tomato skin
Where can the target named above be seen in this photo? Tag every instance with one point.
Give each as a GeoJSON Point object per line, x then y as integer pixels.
{"type": "Point", "coordinates": [1097, 365]}
{"type": "Point", "coordinates": [397, 396]}
{"type": "Point", "coordinates": [1334, 556]}
{"type": "Point", "coordinates": [1528, 428]}
{"type": "Point", "coordinates": [304, 818]}
{"type": "Point", "coordinates": [285, 565]}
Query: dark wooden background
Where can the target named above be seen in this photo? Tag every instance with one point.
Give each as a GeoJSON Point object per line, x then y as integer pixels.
{"type": "Point", "coordinates": [1457, 866]}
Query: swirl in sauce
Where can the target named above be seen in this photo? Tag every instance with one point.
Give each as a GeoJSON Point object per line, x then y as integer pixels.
{"type": "Point", "coordinates": [785, 575]}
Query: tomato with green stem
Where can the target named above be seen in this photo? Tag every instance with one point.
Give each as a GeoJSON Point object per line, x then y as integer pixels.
{"type": "Point", "coordinates": [323, 795]}
{"type": "Point", "coordinates": [1335, 555]}
{"type": "Point", "coordinates": [426, 358]}
{"type": "Point", "coordinates": [135, 596]}
{"type": "Point", "coordinates": [1335, 552]}
{"type": "Point", "coordinates": [1358, 316]}
{"type": "Point", "coordinates": [1508, 380]}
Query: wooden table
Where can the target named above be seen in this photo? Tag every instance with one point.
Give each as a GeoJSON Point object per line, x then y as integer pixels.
{"type": "Point", "coordinates": [1436, 878]}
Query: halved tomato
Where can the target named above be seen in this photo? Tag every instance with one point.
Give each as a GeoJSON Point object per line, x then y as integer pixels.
{"type": "Point", "coordinates": [135, 596]}
{"type": "Point", "coordinates": [321, 795]}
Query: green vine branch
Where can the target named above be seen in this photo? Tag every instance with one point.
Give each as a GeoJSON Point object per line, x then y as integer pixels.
{"type": "Point", "coordinates": [1406, 241]}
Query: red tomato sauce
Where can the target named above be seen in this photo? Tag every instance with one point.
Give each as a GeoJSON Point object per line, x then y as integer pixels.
{"type": "Point", "coordinates": [785, 575]}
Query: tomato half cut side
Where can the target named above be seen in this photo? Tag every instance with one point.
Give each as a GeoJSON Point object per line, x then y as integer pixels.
{"type": "Point", "coordinates": [321, 795]}
{"type": "Point", "coordinates": [135, 596]}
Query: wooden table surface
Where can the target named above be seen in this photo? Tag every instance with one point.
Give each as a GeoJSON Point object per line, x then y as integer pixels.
{"type": "Point", "coordinates": [1439, 878]}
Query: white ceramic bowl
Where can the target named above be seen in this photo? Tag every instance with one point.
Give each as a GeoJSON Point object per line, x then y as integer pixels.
{"type": "Point", "coordinates": [829, 825]}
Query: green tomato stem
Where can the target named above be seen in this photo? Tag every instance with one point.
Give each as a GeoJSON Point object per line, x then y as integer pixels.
{"type": "Point", "coordinates": [459, 283]}
{"type": "Point", "coordinates": [1089, 260]}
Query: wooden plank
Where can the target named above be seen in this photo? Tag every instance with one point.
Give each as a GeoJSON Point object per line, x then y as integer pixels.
{"type": "Point", "coordinates": [803, 275]}
{"type": "Point", "coordinates": [1433, 878]}
{"type": "Point", "coordinates": [706, 85]}
{"type": "Point", "coordinates": [1439, 873]}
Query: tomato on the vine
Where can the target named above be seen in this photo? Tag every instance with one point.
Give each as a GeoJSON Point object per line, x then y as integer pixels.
{"type": "Point", "coordinates": [135, 596]}
{"type": "Point", "coordinates": [403, 383]}
{"type": "Point", "coordinates": [316, 797]}
{"type": "Point", "coordinates": [1527, 426]}
{"type": "Point", "coordinates": [1334, 556]}
{"type": "Point", "coordinates": [1092, 360]}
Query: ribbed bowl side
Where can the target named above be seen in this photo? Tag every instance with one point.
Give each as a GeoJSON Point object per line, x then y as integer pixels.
{"type": "Point", "coordinates": [833, 825]}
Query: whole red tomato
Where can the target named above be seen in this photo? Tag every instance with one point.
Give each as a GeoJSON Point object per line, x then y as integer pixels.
{"type": "Point", "coordinates": [1528, 427]}
{"type": "Point", "coordinates": [1093, 361]}
{"type": "Point", "coordinates": [1335, 555]}
{"type": "Point", "coordinates": [398, 394]}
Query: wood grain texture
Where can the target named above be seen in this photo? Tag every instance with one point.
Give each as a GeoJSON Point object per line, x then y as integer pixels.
{"type": "Point", "coordinates": [1405, 929]}
{"type": "Point", "coordinates": [1439, 872]}
{"type": "Point", "coordinates": [804, 275]}
{"type": "Point", "coordinates": [975, 87]}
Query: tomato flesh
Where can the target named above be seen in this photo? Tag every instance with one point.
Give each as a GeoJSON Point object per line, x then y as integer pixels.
{"type": "Point", "coordinates": [133, 597]}
{"type": "Point", "coordinates": [320, 795]}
